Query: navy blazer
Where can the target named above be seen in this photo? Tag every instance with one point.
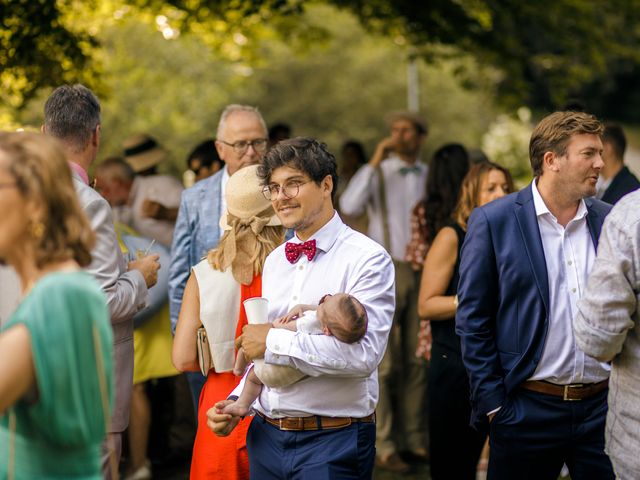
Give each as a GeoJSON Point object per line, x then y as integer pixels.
{"type": "Point", "coordinates": [502, 316]}
{"type": "Point", "coordinates": [624, 182]}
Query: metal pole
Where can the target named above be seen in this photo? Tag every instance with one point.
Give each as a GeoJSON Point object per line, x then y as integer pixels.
{"type": "Point", "coordinates": [413, 82]}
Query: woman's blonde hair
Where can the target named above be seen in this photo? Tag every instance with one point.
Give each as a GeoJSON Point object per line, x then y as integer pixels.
{"type": "Point", "coordinates": [42, 174]}
{"type": "Point", "coordinates": [470, 190]}
{"type": "Point", "coordinates": [244, 250]}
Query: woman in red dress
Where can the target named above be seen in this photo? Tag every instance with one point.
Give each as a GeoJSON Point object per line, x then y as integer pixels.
{"type": "Point", "coordinates": [213, 298]}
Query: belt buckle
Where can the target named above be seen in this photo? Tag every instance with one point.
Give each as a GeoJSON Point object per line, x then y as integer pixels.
{"type": "Point", "coordinates": [565, 395]}
{"type": "Point", "coordinates": [294, 424]}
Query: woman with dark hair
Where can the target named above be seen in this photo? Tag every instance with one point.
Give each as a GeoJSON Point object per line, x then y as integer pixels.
{"type": "Point", "coordinates": [448, 167]}
{"type": "Point", "coordinates": [454, 446]}
{"type": "Point", "coordinates": [56, 383]}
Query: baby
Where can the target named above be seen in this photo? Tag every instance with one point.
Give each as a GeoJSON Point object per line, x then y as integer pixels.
{"type": "Point", "coordinates": [340, 315]}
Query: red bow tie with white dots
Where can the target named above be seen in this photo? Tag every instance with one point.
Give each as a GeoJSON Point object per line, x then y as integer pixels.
{"type": "Point", "coordinates": [293, 250]}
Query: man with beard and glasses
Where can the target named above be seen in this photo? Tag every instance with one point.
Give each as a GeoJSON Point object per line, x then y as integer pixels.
{"type": "Point", "coordinates": [322, 426]}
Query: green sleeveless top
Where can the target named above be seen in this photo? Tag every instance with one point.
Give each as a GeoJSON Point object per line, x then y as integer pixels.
{"type": "Point", "coordinates": [58, 434]}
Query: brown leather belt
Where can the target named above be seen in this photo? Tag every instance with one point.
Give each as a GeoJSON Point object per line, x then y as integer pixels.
{"type": "Point", "coordinates": [298, 424]}
{"type": "Point", "coordinates": [574, 392]}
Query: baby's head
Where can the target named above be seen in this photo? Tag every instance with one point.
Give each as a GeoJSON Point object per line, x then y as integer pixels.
{"type": "Point", "coordinates": [342, 316]}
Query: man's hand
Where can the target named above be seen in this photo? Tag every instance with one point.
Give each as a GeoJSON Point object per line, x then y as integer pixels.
{"type": "Point", "coordinates": [384, 147]}
{"type": "Point", "coordinates": [222, 424]}
{"type": "Point", "coordinates": [148, 266]}
{"type": "Point", "coordinates": [493, 414]}
{"type": "Point", "coordinates": [253, 340]}
{"type": "Point", "coordinates": [157, 211]}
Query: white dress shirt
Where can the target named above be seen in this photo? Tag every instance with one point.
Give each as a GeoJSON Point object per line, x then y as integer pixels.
{"type": "Point", "coordinates": [403, 191]}
{"type": "Point", "coordinates": [569, 255]}
{"type": "Point", "coordinates": [342, 378]}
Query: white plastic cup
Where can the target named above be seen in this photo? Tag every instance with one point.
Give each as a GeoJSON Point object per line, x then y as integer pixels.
{"type": "Point", "coordinates": [257, 309]}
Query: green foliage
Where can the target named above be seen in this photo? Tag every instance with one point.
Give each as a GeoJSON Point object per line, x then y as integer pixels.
{"type": "Point", "coordinates": [548, 51]}
{"type": "Point", "coordinates": [37, 50]}
{"type": "Point", "coordinates": [506, 142]}
{"type": "Point", "coordinates": [338, 86]}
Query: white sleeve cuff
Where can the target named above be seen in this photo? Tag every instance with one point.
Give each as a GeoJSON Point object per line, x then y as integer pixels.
{"type": "Point", "coordinates": [279, 342]}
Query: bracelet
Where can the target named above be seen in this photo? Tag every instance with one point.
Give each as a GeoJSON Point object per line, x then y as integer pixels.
{"type": "Point", "coordinates": [455, 301]}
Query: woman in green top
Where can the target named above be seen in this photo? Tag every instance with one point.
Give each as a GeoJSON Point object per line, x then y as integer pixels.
{"type": "Point", "coordinates": [55, 351]}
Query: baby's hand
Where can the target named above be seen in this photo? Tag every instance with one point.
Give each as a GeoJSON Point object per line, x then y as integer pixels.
{"type": "Point", "coordinates": [295, 313]}
{"type": "Point", "coordinates": [288, 325]}
{"type": "Point", "coordinates": [236, 409]}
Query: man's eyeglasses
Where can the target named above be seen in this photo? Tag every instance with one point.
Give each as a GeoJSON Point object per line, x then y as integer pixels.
{"type": "Point", "coordinates": [289, 190]}
{"type": "Point", "coordinates": [239, 147]}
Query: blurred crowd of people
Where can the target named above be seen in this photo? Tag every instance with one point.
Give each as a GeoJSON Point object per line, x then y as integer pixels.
{"type": "Point", "coordinates": [410, 312]}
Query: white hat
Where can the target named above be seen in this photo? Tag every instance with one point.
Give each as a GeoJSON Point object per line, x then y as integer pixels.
{"type": "Point", "coordinates": [245, 199]}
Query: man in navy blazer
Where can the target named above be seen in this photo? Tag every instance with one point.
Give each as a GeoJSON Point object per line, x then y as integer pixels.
{"type": "Point", "coordinates": [241, 141]}
{"type": "Point", "coordinates": [616, 180]}
{"type": "Point", "coordinates": [524, 265]}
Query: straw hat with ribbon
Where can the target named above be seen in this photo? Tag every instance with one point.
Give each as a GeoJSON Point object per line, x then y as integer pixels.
{"type": "Point", "coordinates": [142, 152]}
{"type": "Point", "coordinates": [248, 212]}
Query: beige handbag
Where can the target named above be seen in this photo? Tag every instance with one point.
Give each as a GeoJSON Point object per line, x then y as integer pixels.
{"type": "Point", "coordinates": [204, 353]}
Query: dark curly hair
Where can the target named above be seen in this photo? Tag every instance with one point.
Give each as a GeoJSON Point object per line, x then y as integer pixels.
{"type": "Point", "coordinates": [305, 154]}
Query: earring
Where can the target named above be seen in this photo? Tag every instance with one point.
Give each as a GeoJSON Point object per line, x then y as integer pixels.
{"type": "Point", "coordinates": [36, 229]}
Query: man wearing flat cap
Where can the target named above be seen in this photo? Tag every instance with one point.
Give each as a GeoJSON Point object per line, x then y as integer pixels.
{"type": "Point", "coordinates": [387, 188]}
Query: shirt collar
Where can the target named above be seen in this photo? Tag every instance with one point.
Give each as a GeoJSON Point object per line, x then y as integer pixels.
{"type": "Point", "coordinates": [327, 235]}
{"type": "Point", "coordinates": [80, 171]}
{"type": "Point", "coordinates": [542, 209]}
{"type": "Point", "coordinates": [398, 163]}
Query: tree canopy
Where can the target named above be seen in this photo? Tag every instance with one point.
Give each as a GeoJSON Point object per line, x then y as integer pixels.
{"type": "Point", "coordinates": [333, 81]}
{"type": "Point", "coordinates": [548, 52]}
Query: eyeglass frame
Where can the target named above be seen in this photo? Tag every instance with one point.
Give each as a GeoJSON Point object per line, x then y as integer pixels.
{"type": "Point", "coordinates": [266, 190]}
{"type": "Point", "coordinates": [240, 150]}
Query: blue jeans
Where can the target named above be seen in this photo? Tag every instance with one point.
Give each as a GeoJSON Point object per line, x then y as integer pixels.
{"type": "Point", "coordinates": [341, 453]}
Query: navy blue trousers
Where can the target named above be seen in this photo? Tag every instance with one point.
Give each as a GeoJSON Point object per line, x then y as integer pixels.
{"type": "Point", "coordinates": [341, 453]}
{"type": "Point", "coordinates": [533, 434]}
